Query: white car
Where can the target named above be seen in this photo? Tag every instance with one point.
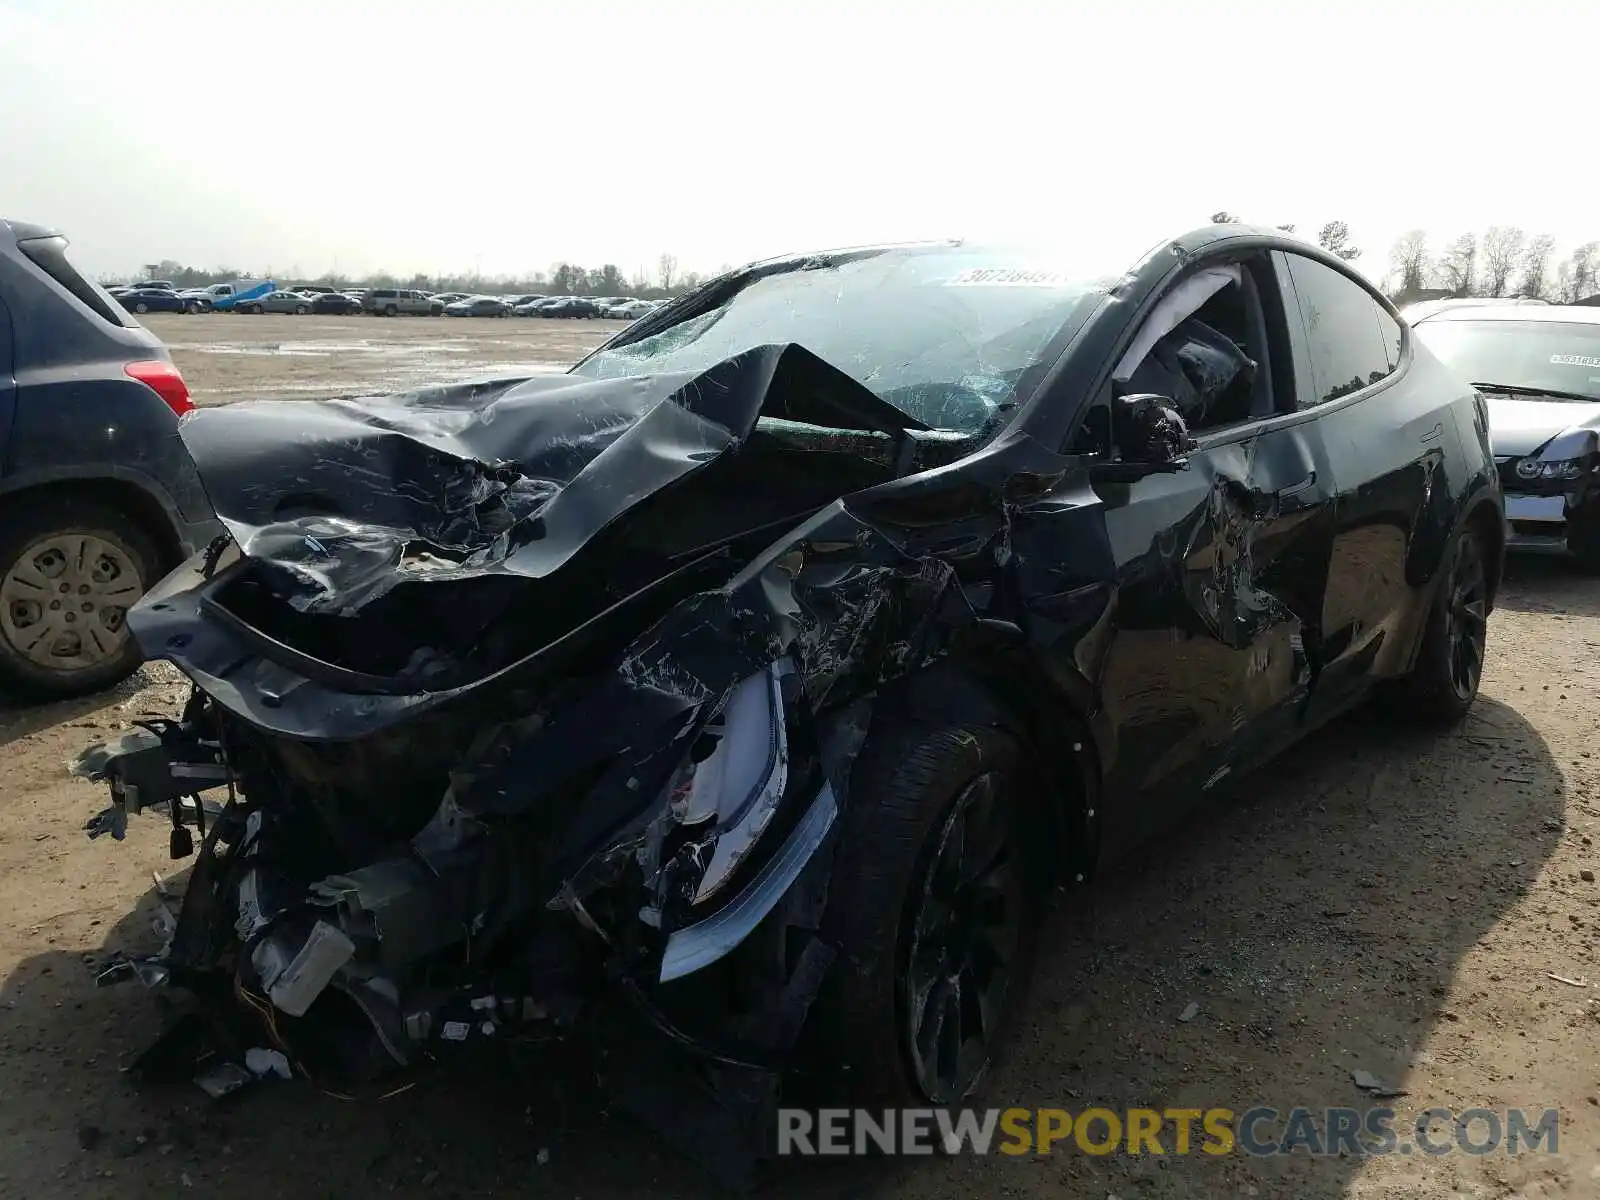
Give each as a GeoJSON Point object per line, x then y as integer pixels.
{"type": "Point", "coordinates": [1538, 366]}
{"type": "Point", "coordinates": [632, 310]}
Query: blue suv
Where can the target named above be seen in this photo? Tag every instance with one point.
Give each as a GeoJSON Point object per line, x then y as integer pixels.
{"type": "Point", "coordinates": [98, 497]}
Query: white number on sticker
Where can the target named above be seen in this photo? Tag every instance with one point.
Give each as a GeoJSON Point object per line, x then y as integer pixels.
{"type": "Point", "coordinates": [1574, 360]}
{"type": "Point", "coordinates": [1007, 277]}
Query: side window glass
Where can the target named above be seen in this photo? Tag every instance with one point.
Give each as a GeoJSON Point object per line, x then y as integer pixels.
{"type": "Point", "coordinates": [1348, 349]}
{"type": "Point", "coordinates": [1198, 349]}
{"type": "Point", "coordinates": [1389, 330]}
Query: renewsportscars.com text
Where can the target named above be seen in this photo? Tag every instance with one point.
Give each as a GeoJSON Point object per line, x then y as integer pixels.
{"type": "Point", "coordinates": [1261, 1131]}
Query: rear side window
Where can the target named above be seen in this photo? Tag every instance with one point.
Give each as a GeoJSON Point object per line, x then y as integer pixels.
{"type": "Point", "coordinates": [1353, 342]}
{"type": "Point", "coordinates": [1389, 331]}
{"type": "Point", "coordinates": [50, 256]}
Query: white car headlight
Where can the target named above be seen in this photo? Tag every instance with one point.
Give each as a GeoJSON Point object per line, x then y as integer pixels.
{"type": "Point", "coordinates": [727, 797]}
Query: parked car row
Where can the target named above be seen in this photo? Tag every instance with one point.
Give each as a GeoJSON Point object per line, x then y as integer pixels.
{"type": "Point", "coordinates": [262, 296]}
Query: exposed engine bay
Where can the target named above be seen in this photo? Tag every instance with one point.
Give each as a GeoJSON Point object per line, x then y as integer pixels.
{"type": "Point", "coordinates": [510, 696]}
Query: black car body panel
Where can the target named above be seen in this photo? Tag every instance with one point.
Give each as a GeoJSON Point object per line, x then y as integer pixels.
{"type": "Point", "coordinates": [68, 410]}
{"type": "Point", "coordinates": [476, 633]}
{"type": "Point", "coordinates": [335, 303]}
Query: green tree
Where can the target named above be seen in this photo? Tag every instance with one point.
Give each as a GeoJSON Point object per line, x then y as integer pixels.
{"type": "Point", "coordinates": [1334, 237]}
{"type": "Point", "coordinates": [568, 279]}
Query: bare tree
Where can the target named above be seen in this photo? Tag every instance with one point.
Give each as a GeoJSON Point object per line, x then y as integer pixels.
{"type": "Point", "coordinates": [1224, 218]}
{"type": "Point", "coordinates": [1334, 237]}
{"type": "Point", "coordinates": [1581, 269]}
{"type": "Point", "coordinates": [668, 268]}
{"type": "Point", "coordinates": [1457, 266]}
{"type": "Point", "coordinates": [1287, 228]}
{"type": "Point", "coordinates": [1408, 261]}
{"type": "Point", "coordinates": [1535, 281]}
{"type": "Point", "coordinates": [1502, 248]}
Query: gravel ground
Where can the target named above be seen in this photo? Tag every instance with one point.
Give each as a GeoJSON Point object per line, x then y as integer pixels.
{"type": "Point", "coordinates": [229, 357]}
{"type": "Point", "coordinates": [1380, 901]}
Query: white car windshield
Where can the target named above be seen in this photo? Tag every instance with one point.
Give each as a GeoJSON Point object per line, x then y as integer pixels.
{"type": "Point", "coordinates": [1560, 357]}
{"type": "Point", "coordinates": [947, 334]}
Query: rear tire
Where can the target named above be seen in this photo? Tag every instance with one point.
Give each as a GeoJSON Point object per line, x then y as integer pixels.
{"type": "Point", "coordinates": [141, 307]}
{"type": "Point", "coordinates": [105, 560]}
{"type": "Point", "coordinates": [303, 310]}
{"type": "Point", "coordinates": [1449, 668]}
{"type": "Point", "coordinates": [933, 913]}
{"type": "Point", "coordinates": [391, 311]}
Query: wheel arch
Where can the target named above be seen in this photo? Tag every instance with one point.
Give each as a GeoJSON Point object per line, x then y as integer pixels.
{"type": "Point", "coordinates": [1007, 692]}
{"type": "Point", "coordinates": [1487, 518]}
{"type": "Point", "coordinates": [152, 516]}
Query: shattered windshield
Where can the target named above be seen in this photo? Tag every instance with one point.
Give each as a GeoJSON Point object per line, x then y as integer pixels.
{"type": "Point", "coordinates": [1563, 356]}
{"type": "Point", "coordinates": [952, 336]}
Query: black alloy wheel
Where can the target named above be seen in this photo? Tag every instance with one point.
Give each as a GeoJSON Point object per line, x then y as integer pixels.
{"type": "Point", "coordinates": [1467, 619]}
{"type": "Point", "coordinates": [965, 932]}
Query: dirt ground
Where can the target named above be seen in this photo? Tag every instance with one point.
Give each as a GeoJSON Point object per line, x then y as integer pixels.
{"type": "Point", "coordinates": [1381, 901]}
{"type": "Point", "coordinates": [229, 357]}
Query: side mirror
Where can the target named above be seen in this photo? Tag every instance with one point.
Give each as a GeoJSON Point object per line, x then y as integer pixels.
{"type": "Point", "coordinates": [1151, 438]}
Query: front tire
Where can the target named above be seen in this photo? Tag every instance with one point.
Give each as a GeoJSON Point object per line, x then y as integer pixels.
{"type": "Point", "coordinates": [933, 912]}
{"type": "Point", "coordinates": [141, 308]}
{"type": "Point", "coordinates": [69, 571]}
{"type": "Point", "coordinates": [1444, 682]}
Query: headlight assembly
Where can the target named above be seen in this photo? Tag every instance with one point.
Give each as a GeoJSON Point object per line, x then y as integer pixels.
{"type": "Point", "coordinates": [1563, 468]}
{"type": "Point", "coordinates": [727, 790]}
{"type": "Point", "coordinates": [1569, 455]}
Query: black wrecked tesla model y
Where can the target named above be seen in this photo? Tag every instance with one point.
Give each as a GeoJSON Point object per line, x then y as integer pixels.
{"type": "Point", "coordinates": [767, 672]}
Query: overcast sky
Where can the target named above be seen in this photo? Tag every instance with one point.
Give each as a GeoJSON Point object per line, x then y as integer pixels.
{"type": "Point", "coordinates": [452, 136]}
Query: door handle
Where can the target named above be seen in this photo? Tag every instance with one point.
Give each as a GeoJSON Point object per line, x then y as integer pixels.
{"type": "Point", "coordinates": [1433, 434]}
{"type": "Point", "coordinates": [1294, 489]}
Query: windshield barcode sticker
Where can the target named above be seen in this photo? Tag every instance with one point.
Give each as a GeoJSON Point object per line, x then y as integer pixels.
{"type": "Point", "coordinates": [1574, 360]}
{"type": "Point", "coordinates": [1007, 277]}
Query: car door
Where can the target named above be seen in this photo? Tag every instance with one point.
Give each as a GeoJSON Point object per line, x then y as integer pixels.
{"type": "Point", "coordinates": [1219, 572]}
{"type": "Point", "coordinates": [8, 384]}
{"type": "Point", "coordinates": [1388, 430]}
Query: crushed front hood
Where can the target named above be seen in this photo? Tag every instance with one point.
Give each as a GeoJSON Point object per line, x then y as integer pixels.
{"type": "Point", "coordinates": [402, 546]}
{"type": "Point", "coordinates": [346, 497]}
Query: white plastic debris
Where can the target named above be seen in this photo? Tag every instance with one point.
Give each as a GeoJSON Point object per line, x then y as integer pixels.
{"type": "Point", "coordinates": [326, 949]}
{"type": "Point", "coordinates": [1370, 1083]}
{"type": "Point", "coordinates": [261, 1062]}
{"type": "Point", "coordinates": [1190, 1011]}
{"type": "Point", "coordinates": [455, 1031]}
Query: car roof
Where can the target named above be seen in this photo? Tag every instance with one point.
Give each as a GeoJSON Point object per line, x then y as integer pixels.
{"type": "Point", "coordinates": [1570, 314]}
{"type": "Point", "coordinates": [1114, 255]}
{"type": "Point", "coordinates": [23, 231]}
